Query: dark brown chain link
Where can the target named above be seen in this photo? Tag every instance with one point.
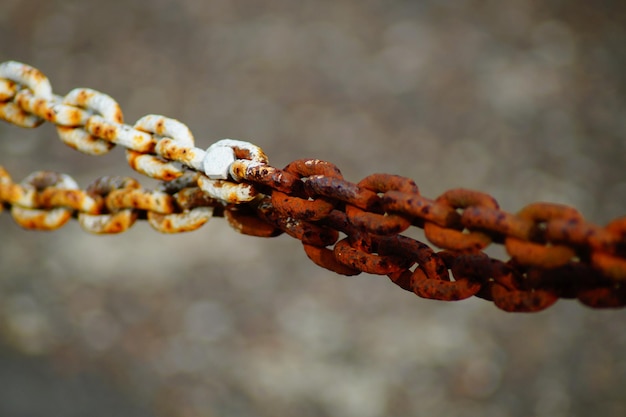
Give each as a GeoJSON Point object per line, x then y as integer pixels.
{"type": "Point", "coordinates": [554, 252]}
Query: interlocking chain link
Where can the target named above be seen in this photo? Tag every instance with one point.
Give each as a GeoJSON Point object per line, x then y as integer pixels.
{"type": "Point", "coordinates": [345, 227]}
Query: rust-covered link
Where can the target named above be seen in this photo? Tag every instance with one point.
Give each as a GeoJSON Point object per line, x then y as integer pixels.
{"type": "Point", "coordinates": [345, 227]}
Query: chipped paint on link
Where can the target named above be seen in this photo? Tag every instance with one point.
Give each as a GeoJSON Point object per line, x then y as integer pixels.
{"type": "Point", "coordinates": [154, 167]}
{"type": "Point", "coordinates": [95, 101]}
{"type": "Point", "coordinates": [8, 89]}
{"type": "Point", "coordinates": [120, 134]}
{"type": "Point", "coordinates": [165, 127]}
{"type": "Point", "coordinates": [117, 222]}
{"type": "Point", "coordinates": [46, 219]}
{"type": "Point", "coordinates": [190, 156]}
{"type": "Point", "coordinates": [52, 110]}
{"type": "Point", "coordinates": [16, 194]}
{"type": "Point", "coordinates": [223, 153]}
{"type": "Point", "coordinates": [14, 114]}
{"type": "Point", "coordinates": [180, 222]}
{"type": "Point", "coordinates": [28, 76]}
{"type": "Point", "coordinates": [227, 192]}
{"type": "Point", "coordinates": [156, 201]}
{"type": "Point", "coordinates": [82, 141]}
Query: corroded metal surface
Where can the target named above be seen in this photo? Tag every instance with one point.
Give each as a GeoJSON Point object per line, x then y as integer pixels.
{"type": "Point", "coordinates": [345, 227]}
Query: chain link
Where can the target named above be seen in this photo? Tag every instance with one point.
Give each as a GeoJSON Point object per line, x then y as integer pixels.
{"type": "Point", "coordinates": [345, 227]}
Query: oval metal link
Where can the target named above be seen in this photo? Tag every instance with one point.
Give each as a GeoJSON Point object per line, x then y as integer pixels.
{"type": "Point", "coordinates": [539, 254]}
{"type": "Point", "coordinates": [267, 176]}
{"type": "Point", "coordinates": [71, 198]}
{"type": "Point", "coordinates": [342, 190]}
{"type": "Point", "coordinates": [180, 222]}
{"type": "Point", "coordinates": [357, 258]}
{"type": "Point", "coordinates": [217, 167]}
{"type": "Point", "coordinates": [120, 134]}
{"type": "Point", "coordinates": [470, 271]}
{"type": "Point", "coordinates": [197, 208]}
{"type": "Point", "coordinates": [44, 219]}
{"type": "Point", "coordinates": [507, 296]}
{"type": "Point", "coordinates": [156, 201]}
{"type": "Point", "coordinates": [152, 165]}
{"type": "Point", "coordinates": [382, 224]}
{"type": "Point", "coordinates": [420, 207]}
{"type": "Point", "coordinates": [98, 106]}
{"type": "Point", "coordinates": [115, 221]}
{"type": "Point", "coordinates": [220, 157]}
{"type": "Point", "coordinates": [452, 237]}
{"type": "Point", "coordinates": [306, 207]}
{"type": "Point", "coordinates": [431, 279]}
{"type": "Point", "coordinates": [248, 223]}
{"type": "Point", "coordinates": [52, 110]}
{"type": "Point", "coordinates": [325, 258]}
{"type": "Point", "coordinates": [30, 78]}
{"type": "Point", "coordinates": [496, 220]}
{"type": "Point", "coordinates": [13, 113]}
{"type": "Point", "coordinates": [173, 150]}
{"type": "Point", "coordinates": [226, 191]}
{"type": "Point", "coordinates": [309, 233]}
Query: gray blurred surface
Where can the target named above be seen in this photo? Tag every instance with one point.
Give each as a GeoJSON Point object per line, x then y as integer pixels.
{"type": "Point", "coordinates": [524, 100]}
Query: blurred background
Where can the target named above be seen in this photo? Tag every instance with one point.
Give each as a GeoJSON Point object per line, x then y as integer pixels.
{"type": "Point", "coordinates": [525, 100]}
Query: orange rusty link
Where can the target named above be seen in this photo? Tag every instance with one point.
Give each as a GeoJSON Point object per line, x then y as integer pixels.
{"type": "Point", "coordinates": [508, 295]}
{"type": "Point", "coordinates": [452, 236]}
{"type": "Point", "coordinates": [539, 254]}
{"type": "Point", "coordinates": [303, 208]}
{"type": "Point", "coordinates": [326, 258]}
{"type": "Point", "coordinates": [381, 224]}
{"type": "Point", "coordinates": [431, 279]}
{"type": "Point", "coordinates": [496, 221]}
{"type": "Point", "coordinates": [265, 175]}
{"type": "Point", "coordinates": [306, 232]}
{"type": "Point", "coordinates": [356, 257]}
{"type": "Point", "coordinates": [421, 207]}
{"type": "Point", "coordinates": [431, 266]}
{"type": "Point", "coordinates": [344, 191]}
{"type": "Point", "coordinates": [246, 221]}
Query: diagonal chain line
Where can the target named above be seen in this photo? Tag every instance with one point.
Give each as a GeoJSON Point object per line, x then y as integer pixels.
{"type": "Point", "coordinates": [345, 227]}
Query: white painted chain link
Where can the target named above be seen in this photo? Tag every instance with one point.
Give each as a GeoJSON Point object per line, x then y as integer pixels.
{"type": "Point", "coordinates": [156, 146]}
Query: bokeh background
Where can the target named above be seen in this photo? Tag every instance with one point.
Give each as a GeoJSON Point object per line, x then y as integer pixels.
{"type": "Point", "coordinates": [524, 99]}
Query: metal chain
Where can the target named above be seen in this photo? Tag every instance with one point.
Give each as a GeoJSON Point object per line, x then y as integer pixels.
{"type": "Point", "coordinates": [345, 227]}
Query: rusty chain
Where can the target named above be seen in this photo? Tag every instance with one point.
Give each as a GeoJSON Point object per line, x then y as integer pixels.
{"type": "Point", "coordinates": [345, 227]}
